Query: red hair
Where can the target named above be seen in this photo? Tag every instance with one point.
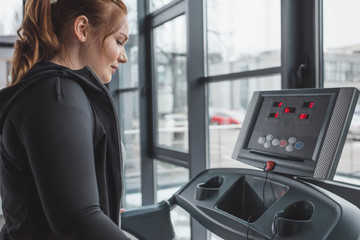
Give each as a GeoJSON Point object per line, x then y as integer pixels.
{"type": "Point", "coordinates": [40, 35]}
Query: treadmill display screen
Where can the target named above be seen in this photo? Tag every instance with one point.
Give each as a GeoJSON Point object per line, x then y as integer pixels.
{"type": "Point", "coordinates": [291, 129]}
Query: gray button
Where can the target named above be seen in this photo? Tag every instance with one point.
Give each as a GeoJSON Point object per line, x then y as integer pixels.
{"type": "Point", "coordinates": [275, 142]}
{"type": "Point", "coordinates": [289, 148]}
{"type": "Point", "coordinates": [269, 137]}
{"type": "Point", "coordinates": [261, 140]}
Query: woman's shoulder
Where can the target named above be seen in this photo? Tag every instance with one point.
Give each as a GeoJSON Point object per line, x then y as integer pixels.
{"type": "Point", "coordinates": [55, 87]}
{"type": "Point", "coordinates": [46, 75]}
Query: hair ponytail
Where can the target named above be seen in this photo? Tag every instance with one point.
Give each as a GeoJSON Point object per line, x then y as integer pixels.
{"type": "Point", "coordinates": [37, 40]}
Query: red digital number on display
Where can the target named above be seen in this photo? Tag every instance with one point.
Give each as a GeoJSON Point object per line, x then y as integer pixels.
{"type": "Point", "coordinates": [274, 115]}
{"type": "Point", "coordinates": [308, 104]}
{"type": "Point", "coordinates": [289, 110]}
{"type": "Point", "coordinates": [304, 116]}
{"type": "Point", "coordinates": [277, 104]}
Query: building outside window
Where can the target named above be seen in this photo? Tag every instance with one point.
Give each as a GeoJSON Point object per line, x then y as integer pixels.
{"type": "Point", "coordinates": [341, 49]}
{"type": "Point", "coordinates": [225, 125]}
{"type": "Point", "coordinates": [171, 84]}
{"type": "Point", "coordinates": [242, 35]}
{"type": "Point", "coordinates": [157, 4]}
{"type": "Point", "coordinates": [11, 16]}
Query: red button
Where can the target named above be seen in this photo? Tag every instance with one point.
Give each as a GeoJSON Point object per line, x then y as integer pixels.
{"type": "Point", "coordinates": [283, 143]}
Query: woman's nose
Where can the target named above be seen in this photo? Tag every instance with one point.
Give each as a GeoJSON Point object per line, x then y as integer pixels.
{"type": "Point", "coordinates": [122, 57]}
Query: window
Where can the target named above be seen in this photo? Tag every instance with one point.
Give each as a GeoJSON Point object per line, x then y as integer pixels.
{"type": "Point", "coordinates": [242, 35]}
{"type": "Point", "coordinates": [128, 103]}
{"type": "Point", "coordinates": [156, 4]}
{"type": "Point", "coordinates": [11, 16]}
{"type": "Point", "coordinates": [130, 71]}
{"type": "Point", "coordinates": [4, 73]}
{"type": "Point", "coordinates": [169, 179]}
{"type": "Point", "coordinates": [341, 47]}
{"type": "Point", "coordinates": [129, 118]}
{"type": "Point", "coordinates": [171, 84]}
{"type": "Point", "coordinates": [228, 102]}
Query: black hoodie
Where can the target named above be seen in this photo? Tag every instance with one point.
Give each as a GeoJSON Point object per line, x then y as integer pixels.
{"type": "Point", "coordinates": [60, 157]}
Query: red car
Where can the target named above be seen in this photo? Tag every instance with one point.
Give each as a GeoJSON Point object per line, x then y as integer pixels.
{"type": "Point", "coordinates": [224, 118]}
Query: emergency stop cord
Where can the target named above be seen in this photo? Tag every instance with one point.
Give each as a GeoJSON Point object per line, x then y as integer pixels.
{"type": "Point", "coordinates": [270, 165]}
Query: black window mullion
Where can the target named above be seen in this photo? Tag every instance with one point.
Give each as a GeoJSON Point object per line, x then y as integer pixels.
{"type": "Point", "coordinates": [177, 158]}
{"type": "Point", "coordinates": [122, 90]}
{"type": "Point", "coordinates": [197, 99]}
{"type": "Point", "coordinates": [247, 74]}
{"type": "Point", "coordinates": [299, 44]}
{"type": "Point", "coordinates": [167, 13]}
{"type": "Point", "coordinates": [145, 101]}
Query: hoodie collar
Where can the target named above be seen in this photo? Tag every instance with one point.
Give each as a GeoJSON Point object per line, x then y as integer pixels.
{"type": "Point", "coordinates": [41, 71]}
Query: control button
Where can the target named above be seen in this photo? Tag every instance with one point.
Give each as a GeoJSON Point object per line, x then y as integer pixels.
{"type": "Point", "coordinates": [289, 148]}
{"type": "Point", "coordinates": [267, 145]}
{"type": "Point", "coordinates": [269, 137]}
{"type": "Point", "coordinates": [275, 142]}
{"type": "Point", "coordinates": [261, 140]}
{"type": "Point", "coordinates": [283, 143]}
{"type": "Point", "coordinates": [299, 145]}
{"type": "Point", "coordinates": [292, 140]}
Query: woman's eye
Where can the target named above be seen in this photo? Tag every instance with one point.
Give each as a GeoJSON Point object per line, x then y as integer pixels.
{"type": "Point", "coordinates": [119, 42]}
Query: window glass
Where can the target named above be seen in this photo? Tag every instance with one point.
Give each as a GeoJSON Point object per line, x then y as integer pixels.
{"type": "Point", "coordinates": [156, 4]}
{"type": "Point", "coordinates": [4, 72]}
{"type": "Point", "coordinates": [129, 72]}
{"type": "Point", "coordinates": [129, 114]}
{"type": "Point", "coordinates": [169, 179]}
{"type": "Point", "coordinates": [341, 48]}
{"type": "Point", "coordinates": [242, 35]}
{"type": "Point", "coordinates": [171, 84]}
{"type": "Point", "coordinates": [130, 136]}
{"type": "Point", "coordinates": [228, 102]}
{"type": "Point", "coordinates": [11, 13]}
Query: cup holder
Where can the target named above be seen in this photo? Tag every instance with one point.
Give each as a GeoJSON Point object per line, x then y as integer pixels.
{"type": "Point", "coordinates": [249, 197]}
{"type": "Point", "coordinates": [293, 219]}
{"type": "Point", "coordinates": [207, 189]}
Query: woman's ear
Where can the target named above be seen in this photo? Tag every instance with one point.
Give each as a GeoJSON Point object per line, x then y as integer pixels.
{"type": "Point", "coordinates": [81, 28]}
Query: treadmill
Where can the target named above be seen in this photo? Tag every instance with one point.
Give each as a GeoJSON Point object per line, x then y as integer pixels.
{"type": "Point", "coordinates": [295, 139]}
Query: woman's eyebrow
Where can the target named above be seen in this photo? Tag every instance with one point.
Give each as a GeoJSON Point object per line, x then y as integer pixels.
{"type": "Point", "coordinates": [125, 36]}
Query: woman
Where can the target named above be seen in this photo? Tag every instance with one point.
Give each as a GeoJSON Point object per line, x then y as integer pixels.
{"type": "Point", "coordinates": [60, 146]}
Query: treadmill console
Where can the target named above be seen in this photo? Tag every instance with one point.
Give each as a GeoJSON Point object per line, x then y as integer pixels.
{"type": "Point", "coordinates": [302, 131]}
